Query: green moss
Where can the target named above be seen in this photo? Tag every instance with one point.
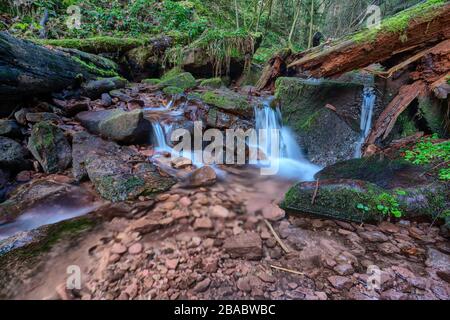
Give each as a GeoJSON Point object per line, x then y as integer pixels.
{"type": "Point", "coordinates": [95, 44]}
{"type": "Point", "coordinates": [151, 81]}
{"type": "Point", "coordinates": [400, 22]}
{"type": "Point", "coordinates": [183, 80]}
{"type": "Point", "coordinates": [92, 68]}
{"type": "Point", "coordinates": [173, 90]}
{"type": "Point", "coordinates": [119, 187]}
{"type": "Point", "coordinates": [171, 73]}
{"type": "Point", "coordinates": [227, 100]}
{"type": "Point", "coordinates": [307, 122]}
{"type": "Point", "coordinates": [214, 83]}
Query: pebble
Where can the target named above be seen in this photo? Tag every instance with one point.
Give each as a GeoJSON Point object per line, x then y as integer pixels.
{"type": "Point", "coordinates": [118, 248]}
{"type": "Point", "coordinates": [203, 224]}
{"type": "Point", "coordinates": [135, 248]}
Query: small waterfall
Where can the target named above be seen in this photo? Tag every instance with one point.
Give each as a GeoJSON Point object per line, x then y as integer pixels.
{"type": "Point", "coordinates": [292, 163]}
{"type": "Point", "coordinates": [159, 138]}
{"type": "Point", "coordinates": [368, 104]}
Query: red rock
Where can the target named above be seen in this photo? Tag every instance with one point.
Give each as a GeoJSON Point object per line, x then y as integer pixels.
{"type": "Point", "coordinates": [135, 248]}
{"type": "Point", "coordinates": [203, 223]}
{"type": "Point", "coordinates": [273, 213]}
{"type": "Point", "coordinates": [118, 248]}
{"type": "Point", "coordinates": [344, 269]}
{"type": "Point", "coordinates": [340, 282]}
{"type": "Point", "coordinates": [202, 286]}
{"type": "Point", "coordinates": [185, 202]}
{"type": "Point", "coordinates": [220, 212]}
{"type": "Point", "coordinates": [246, 245]}
{"type": "Point", "coordinates": [172, 264]}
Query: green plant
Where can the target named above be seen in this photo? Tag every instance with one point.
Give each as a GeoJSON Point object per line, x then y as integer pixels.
{"type": "Point", "coordinates": [430, 151]}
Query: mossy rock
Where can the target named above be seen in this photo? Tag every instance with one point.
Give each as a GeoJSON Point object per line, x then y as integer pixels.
{"type": "Point", "coordinates": [229, 101]}
{"type": "Point", "coordinates": [50, 147]}
{"type": "Point", "coordinates": [184, 80]}
{"type": "Point", "coordinates": [383, 172]}
{"type": "Point", "coordinates": [360, 201]}
{"type": "Point", "coordinates": [432, 111]}
{"type": "Point", "coordinates": [152, 82]}
{"type": "Point", "coordinates": [173, 91]}
{"type": "Point", "coordinates": [327, 136]}
{"type": "Point", "coordinates": [115, 180]}
{"type": "Point", "coordinates": [336, 199]}
{"type": "Point", "coordinates": [213, 83]}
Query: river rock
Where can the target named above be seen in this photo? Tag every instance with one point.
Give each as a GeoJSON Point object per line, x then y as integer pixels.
{"type": "Point", "coordinates": [118, 172]}
{"type": "Point", "coordinates": [50, 147]}
{"type": "Point", "coordinates": [117, 125]}
{"type": "Point", "coordinates": [41, 116]}
{"type": "Point", "coordinates": [304, 104]}
{"type": "Point", "coordinates": [229, 101]}
{"type": "Point", "coordinates": [245, 245]}
{"type": "Point", "coordinates": [95, 88]}
{"type": "Point", "coordinates": [13, 155]}
{"type": "Point", "coordinates": [72, 107]}
{"type": "Point", "coordinates": [204, 176]}
{"type": "Point", "coordinates": [183, 80]}
{"type": "Point", "coordinates": [340, 282]}
{"type": "Point", "coordinates": [9, 128]}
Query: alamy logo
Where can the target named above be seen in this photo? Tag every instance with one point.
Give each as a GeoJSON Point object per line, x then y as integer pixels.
{"type": "Point", "coordinates": [74, 278]}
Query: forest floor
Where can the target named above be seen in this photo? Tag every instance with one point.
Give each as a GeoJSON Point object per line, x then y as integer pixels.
{"type": "Point", "coordinates": [213, 243]}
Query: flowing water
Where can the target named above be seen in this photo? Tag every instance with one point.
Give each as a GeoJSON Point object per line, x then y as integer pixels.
{"type": "Point", "coordinates": [288, 157]}
{"type": "Point", "coordinates": [369, 99]}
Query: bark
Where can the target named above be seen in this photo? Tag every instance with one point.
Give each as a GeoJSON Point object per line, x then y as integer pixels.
{"type": "Point", "coordinates": [28, 69]}
{"type": "Point", "coordinates": [348, 54]}
{"type": "Point", "coordinates": [274, 69]}
{"type": "Point", "coordinates": [387, 119]}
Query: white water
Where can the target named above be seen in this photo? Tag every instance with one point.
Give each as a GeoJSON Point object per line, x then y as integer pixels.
{"type": "Point", "coordinates": [159, 138]}
{"type": "Point", "coordinates": [369, 99]}
{"type": "Point", "coordinates": [289, 158]}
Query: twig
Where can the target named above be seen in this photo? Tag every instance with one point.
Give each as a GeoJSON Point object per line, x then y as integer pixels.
{"type": "Point", "coordinates": [287, 270]}
{"type": "Point", "coordinates": [277, 238]}
{"type": "Point", "coordinates": [315, 193]}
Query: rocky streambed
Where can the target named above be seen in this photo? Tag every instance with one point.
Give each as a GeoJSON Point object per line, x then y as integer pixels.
{"type": "Point", "coordinates": [88, 182]}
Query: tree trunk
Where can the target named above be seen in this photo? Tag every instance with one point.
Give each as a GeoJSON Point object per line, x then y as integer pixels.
{"type": "Point", "coordinates": [28, 69]}
{"type": "Point", "coordinates": [425, 28]}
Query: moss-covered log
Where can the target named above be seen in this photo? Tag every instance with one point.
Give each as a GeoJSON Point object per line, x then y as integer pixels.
{"type": "Point", "coordinates": [406, 32]}
{"type": "Point", "coordinates": [27, 69]}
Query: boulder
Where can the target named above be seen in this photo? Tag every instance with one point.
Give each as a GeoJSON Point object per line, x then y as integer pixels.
{"type": "Point", "coordinates": [50, 147]}
{"type": "Point", "coordinates": [204, 176]}
{"type": "Point", "coordinates": [13, 155]}
{"type": "Point", "coordinates": [183, 80]}
{"type": "Point", "coordinates": [369, 190]}
{"type": "Point", "coordinates": [118, 173]}
{"type": "Point", "coordinates": [229, 101]}
{"type": "Point", "coordinates": [9, 128]}
{"type": "Point", "coordinates": [213, 83]}
{"type": "Point", "coordinates": [327, 136]}
{"type": "Point", "coordinates": [95, 88]}
{"type": "Point", "coordinates": [117, 125]}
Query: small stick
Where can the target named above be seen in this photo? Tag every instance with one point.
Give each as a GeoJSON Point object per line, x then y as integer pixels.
{"type": "Point", "coordinates": [315, 193]}
{"type": "Point", "coordinates": [277, 238]}
{"type": "Point", "coordinates": [287, 270]}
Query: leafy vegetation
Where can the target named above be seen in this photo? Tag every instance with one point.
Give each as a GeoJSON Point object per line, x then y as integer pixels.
{"type": "Point", "coordinates": [385, 204]}
{"type": "Point", "coordinates": [431, 150]}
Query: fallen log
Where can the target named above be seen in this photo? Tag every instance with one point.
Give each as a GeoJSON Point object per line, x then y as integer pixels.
{"type": "Point", "coordinates": [28, 69]}
{"type": "Point", "coordinates": [387, 119]}
{"type": "Point", "coordinates": [275, 68]}
{"type": "Point", "coordinates": [426, 24]}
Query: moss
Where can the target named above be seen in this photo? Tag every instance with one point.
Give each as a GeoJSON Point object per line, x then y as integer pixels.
{"type": "Point", "coordinates": [92, 68]}
{"type": "Point", "coordinates": [152, 82]}
{"type": "Point", "coordinates": [307, 122]}
{"type": "Point", "coordinates": [227, 101]}
{"type": "Point", "coordinates": [172, 73]}
{"type": "Point", "coordinates": [95, 44]}
{"type": "Point", "coordinates": [120, 187]}
{"type": "Point", "coordinates": [433, 113]}
{"type": "Point", "coordinates": [173, 90]}
{"type": "Point", "coordinates": [183, 80]}
{"type": "Point", "coordinates": [399, 23]}
{"type": "Point", "coordinates": [214, 83]}
{"type": "Point", "coordinates": [50, 236]}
